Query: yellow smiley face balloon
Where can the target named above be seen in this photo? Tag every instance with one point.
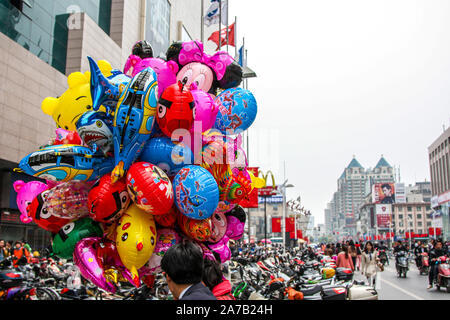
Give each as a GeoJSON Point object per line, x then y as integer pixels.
{"type": "Point", "coordinates": [70, 106]}
{"type": "Point", "coordinates": [135, 239]}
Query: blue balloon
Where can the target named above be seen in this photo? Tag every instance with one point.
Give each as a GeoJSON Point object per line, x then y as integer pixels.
{"type": "Point", "coordinates": [196, 192]}
{"type": "Point", "coordinates": [237, 110]}
{"type": "Point", "coordinates": [167, 155]}
{"type": "Point", "coordinates": [96, 130]}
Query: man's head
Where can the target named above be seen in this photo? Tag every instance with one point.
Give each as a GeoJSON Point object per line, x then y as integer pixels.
{"type": "Point", "coordinates": [17, 244]}
{"type": "Point", "coordinates": [438, 244]}
{"type": "Point", "coordinates": [183, 266]}
{"type": "Point", "coordinates": [387, 189]}
{"type": "Point", "coordinates": [2, 243]}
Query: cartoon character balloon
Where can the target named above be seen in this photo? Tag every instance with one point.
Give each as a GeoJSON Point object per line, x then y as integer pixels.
{"type": "Point", "coordinates": [66, 137]}
{"type": "Point", "coordinates": [26, 192]}
{"type": "Point", "coordinates": [106, 201]}
{"type": "Point", "coordinates": [196, 192]}
{"type": "Point", "coordinates": [166, 239]}
{"type": "Point", "coordinates": [70, 106]}
{"type": "Point", "coordinates": [199, 230]}
{"type": "Point", "coordinates": [205, 111]}
{"type": "Point", "coordinates": [176, 109]}
{"type": "Point", "coordinates": [95, 129]}
{"type": "Point", "coordinates": [136, 239]}
{"type": "Point", "coordinates": [150, 188]}
{"type": "Point", "coordinates": [235, 223]}
{"type": "Point", "coordinates": [221, 248]}
{"type": "Point", "coordinates": [208, 72]}
{"type": "Point", "coordinates": [237, 111]}
{"type": "Point", "coordinates": [42, 217]}
{"type": "Point", "coordinates": [219, 226]}
{"type": "Point", "coordinates": [168, 155]}
{"type": "Point", "coordinates": [65, 240]}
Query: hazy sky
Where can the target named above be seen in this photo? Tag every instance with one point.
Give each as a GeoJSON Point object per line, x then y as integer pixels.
{"type": "Point", "coordinates": [337, 78]}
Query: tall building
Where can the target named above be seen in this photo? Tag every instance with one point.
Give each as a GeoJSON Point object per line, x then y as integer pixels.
{"type": "Point", "coordinates": [354, 184]}
{"type": "Point", "coordinates": [438, 155]}
{"type": "Point", "coordinates": [41, 43]}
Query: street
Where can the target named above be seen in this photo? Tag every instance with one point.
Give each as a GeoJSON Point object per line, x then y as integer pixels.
{"type": "Point", "coordinates": [414, 287]}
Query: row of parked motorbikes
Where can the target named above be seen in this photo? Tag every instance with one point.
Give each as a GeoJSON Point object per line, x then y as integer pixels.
{"type": "Point", "coordinates": [274, 274]}
{"type": "Point", "coordinates": [294, 275]}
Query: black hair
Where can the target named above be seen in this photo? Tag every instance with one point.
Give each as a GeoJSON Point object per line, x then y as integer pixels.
{"type": "Point", "coordinates": [237, 212]}
{"type": "Point", "coordinates": [143, 49]}
{"type": "Point", "coordinates": [183, 263]}
{"type": "Point", "coordinates": [232, 77]}
{"type": "Point", "coordinates": [386, 185]}
{"type": "Point", "coordinates": [365, 247]}
{"type": "Point", "coordinates": [212, 273]}
{"type": "Point", "coordinates": [17, 242]}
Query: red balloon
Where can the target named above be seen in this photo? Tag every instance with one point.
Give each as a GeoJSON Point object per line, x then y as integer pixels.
{"type": "Point", "coordinates": [176, 109]}
{"type": "Point", "coordinates": [43, 217]}
{"type": "Point", "coordinates": [150, 188]}
{"type": "Point", "coordinates": [168, 220]}
{"type": "Point", "coordinates": [107, 202]}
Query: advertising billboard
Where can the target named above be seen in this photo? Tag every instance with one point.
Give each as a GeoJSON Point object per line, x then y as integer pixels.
{"type": "Point", "coordinates": [383, 193]}
{"type": "Point", "coordinates": [383, 213]}
{"type": "Point", "coordinates": [400, 193]}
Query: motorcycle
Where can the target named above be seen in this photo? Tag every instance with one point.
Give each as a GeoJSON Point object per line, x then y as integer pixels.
{"type": "Point", "coordinates": [443, 276]}
{"type": "Point", "coordinates": [424, 265]}
{"type": "Point", "coordinates": [402, 264]}
{"type": "Point", "coordinates": [383, 257]}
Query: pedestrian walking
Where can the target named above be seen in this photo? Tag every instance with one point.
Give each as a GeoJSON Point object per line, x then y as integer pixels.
{"type": "Point", "coordinates": [369, 263]}
{"type": "Point", "coordinates": [344, 259]}
{"type": "Point", "coordinates": [4, 252]}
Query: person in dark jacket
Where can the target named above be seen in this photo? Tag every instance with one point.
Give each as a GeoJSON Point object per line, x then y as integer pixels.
{"type": "Point", "coordinates": [213, 278]}
{"type": "Point", "coordinates": [435, 253]}
{"type": "Point", "coordinates": [183, 268]}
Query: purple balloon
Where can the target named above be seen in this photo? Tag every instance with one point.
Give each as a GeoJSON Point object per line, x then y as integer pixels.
{"type": "Point", "coordinates": [222, 249]}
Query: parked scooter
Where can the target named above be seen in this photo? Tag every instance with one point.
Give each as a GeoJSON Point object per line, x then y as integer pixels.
{"type": "Point", "coordinates": [443, 276]}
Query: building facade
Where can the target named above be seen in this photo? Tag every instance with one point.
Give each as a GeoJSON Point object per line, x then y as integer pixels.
{"type": "Point", "coordinates": [353, 186]}
{"type": "Point", "coordinates": [41, 43]}
{"type": "Point", "coordinates": [438, 155]}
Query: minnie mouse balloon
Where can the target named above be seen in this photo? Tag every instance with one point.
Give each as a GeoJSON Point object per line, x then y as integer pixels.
{"type": "Point", "coordinates": [237, 111]}
{"type": "Point", "coordinates": [235, 223]}
{"type": "Point", "coordinates": [197, 193]}
{"type": "Point", "coordinates": [150, 188]}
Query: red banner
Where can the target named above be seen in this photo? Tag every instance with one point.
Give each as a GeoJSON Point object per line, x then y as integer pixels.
{"type": "Point", "coordinates": [431, 231]}
{"type": "Point", "coordinates": [276, 224]}
{"type": "Point", "coordinates": [290, 225]}
{"type": "Point", "coordinates": [292, 235]}
{"type": "Point", "coordinates": [299, 234]}
{"type": "Point", "coordinates": [252, 201]}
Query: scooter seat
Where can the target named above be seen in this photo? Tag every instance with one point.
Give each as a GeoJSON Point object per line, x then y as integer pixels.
{"type": "Point", "coordinates": [311, 291]}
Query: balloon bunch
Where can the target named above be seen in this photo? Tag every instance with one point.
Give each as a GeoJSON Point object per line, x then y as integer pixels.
{"type": "Point", "coordinates": [123, 182]}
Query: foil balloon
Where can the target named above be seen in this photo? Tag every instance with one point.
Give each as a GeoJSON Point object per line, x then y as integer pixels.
{"type": "Point", "coordinates": [85, 258]}
{"type": "Point", "coordinates": [205, 111]}
{"type": "Point", "coordinates": [176, 109]}
{"type": "Point", "coordinates": [66, 137]}
{"type": "Point", "coordinates": [64, 163]}
{"type": "Point", "coordinates": [150, 188]}
{"type": "Point", "coordinates": [168, 219]}
{"type": "Point", "coordinates": [133, 115]}
{"type": "Point", "coordinates": [237, 111]}
{"type": "Point", "coordinates": [235, 223]}
{"type": "Point", "coordinates": [219, 226]}
{"type": "Point", "coordinates": [166, 239]}
{"type": "Point", "coordinates": [26, 192]}
{"type": "Point", "coordinates": [67, 237]}
{"type": "Point", "coordinates": [67, 200]}
{"type": "Point", "coordinates": [221, 248]}
{"type": "Point", "coordinates": [199, 230]}
{"type": "Point", "coordinates": [106, 201]}
{"type": "Point", "coordinates": [136, 239]}
{"type": "Point", "coordinates": [41, 215]}
{"type": "Point", "coordinates": [168, 155]}
{"type": "Point", "coordinates": [95, 129]}
{"type": "Point", "coordinates": [197, 193]}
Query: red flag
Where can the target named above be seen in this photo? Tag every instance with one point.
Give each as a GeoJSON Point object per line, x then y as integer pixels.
{"type": "Point", "coordinates": [292, 235]}
{"type": "Point", "coordinates": [290, 224]}
{"type": "Point", "coordinates": [299, 234]}
{"type": "Point", "coordinates": [214, 37]}
{"type": "Point", "coordinates": [276, 224]}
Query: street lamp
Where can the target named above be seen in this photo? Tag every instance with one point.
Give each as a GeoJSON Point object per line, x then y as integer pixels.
{"type": "Point", "coordinates": [283, 192]}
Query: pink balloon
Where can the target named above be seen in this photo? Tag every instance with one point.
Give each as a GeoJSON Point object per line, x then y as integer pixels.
{"type": "Point", "coordinates": [222, 249]}
{"type": "Point", "coordinates": [205, 111]}
{"type": "Point", "coordinates": [85, 257]}
{"type": "Point", "coordinates": [26, 192]}
{"type": "Point", "coordinates": [166, 238]}
{"type": "Point", "coordinates": [219, 226]}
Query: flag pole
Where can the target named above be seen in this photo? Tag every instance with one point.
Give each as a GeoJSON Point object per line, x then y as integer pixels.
{"type": "Point", "coordinates": [235, 36]}
{"type": "Point", "coordinates": [227, 25]}
{"type": "Point", "coordinates": [220, 24]}
{"type": "Point", "coordinates": [202, 27]}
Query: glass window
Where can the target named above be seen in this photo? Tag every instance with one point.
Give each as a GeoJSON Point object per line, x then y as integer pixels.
{"type": "Point", "coordinates": [418, 208]}
{"type": "Point", "coordinates": [419, 216]}
{"type": "Point", "coordinates": [409, 208]}
{"type": "Point", "coordinates": [419, 223]}
{"type": "Point", "coordinates": [400, 216]}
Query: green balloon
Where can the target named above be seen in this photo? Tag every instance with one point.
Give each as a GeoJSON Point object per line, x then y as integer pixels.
{"type": "Point", "coordinates": [65, 240]}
